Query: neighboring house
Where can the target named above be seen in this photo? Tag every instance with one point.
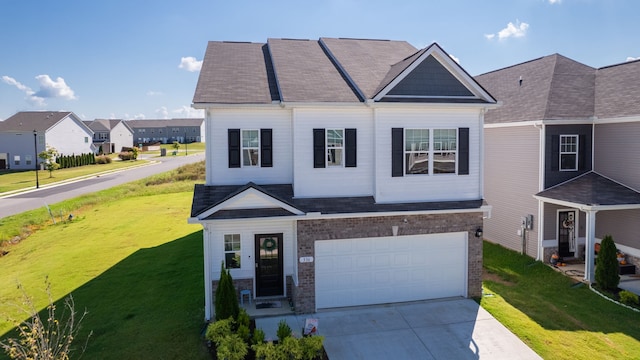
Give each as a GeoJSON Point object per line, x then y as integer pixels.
{"type": "Point", "coordinates": [62, 130]}
{"type": "Point", "coordinates": [110, 135]}
{"type": "Point", "coordinates": [561, 158]}
{"type": "Point", "coordinates": [341, 172]}
{"type": "Point", "coordinates": [167, 131]}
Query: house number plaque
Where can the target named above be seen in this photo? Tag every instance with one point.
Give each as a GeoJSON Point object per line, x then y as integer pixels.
{"type": "Point", "coordinates": [306, 259]}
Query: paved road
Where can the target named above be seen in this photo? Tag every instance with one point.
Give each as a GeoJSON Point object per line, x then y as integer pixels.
{"type": "Point", "coordinates": [30, 200]}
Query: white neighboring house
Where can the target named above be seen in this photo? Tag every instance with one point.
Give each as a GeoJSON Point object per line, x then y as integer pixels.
{"type": "Point", "coordinates": [110, 135]}
{"type": "Point", "coordinates": [341, 172]}
{"type": "Point", "coordinates": [27, 133]}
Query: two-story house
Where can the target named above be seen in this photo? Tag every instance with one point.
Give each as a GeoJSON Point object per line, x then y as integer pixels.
{"type": "Point", "coordinates": [110, 135]}
{"type": "Point", "coordinates": [167, 130]}
{"type": "Point", "coordinates": [27, 133]}
{"type": "Point", "coordinates": [341, 172]}
{"type": "Point", "coordinates": [561, 153]}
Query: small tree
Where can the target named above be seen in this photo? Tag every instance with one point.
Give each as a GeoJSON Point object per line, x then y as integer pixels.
{"type": "Point", "coordinates": [226, 304]}
{"type": "Point", "coordinates": [607, 276]}
{"type": "Point", "coordinates": [49, 158]}
{"type": "Point", "coordinates": [45, 339]}
{"type": "Point", "coordinates": [176, 146]}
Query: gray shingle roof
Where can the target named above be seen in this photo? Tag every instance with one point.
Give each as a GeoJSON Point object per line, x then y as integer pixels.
{"type": "Point", "coordinates": [235, 73]}
{"type": "Point", "coordinates": [592, 189]}
{"type": "Point", "coordinates": [618, 90]}
{"type": "Point", "coordinates": [552, 87]}
{"type": "Point", "coordinates": [154, 123]}
{"type": "Point", "coordinates": [207, 197]}
{"type": "Point", "coordinates": [33, 120]}
{"type": "Point", "coordinates": [326, 70]}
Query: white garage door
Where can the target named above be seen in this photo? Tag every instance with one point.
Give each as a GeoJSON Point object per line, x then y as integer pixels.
{"type": "Point", "coordinates": [352, 272]}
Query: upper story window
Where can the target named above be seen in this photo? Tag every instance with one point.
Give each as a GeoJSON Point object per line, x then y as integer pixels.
{"type": "Point", "coordinates": [568, 152]}
{"type": "Point", "coordinates": [429, 151]}
{"type": "Point", "coordinates": [249, 148]}
{"type": "Point", "coordinates": [86, 139]}
{"type": "Point", "coordinates": [334, 148]}
{"type": "Point", "coordinates": [16, 159]}
{"type": "Point", "coordinates": [232, 251]}
{"type": "Point", "coordinates": [103, 136]}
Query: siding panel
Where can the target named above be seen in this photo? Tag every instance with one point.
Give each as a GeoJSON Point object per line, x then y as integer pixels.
{"type": "Point", "coordinates": [617, 148]}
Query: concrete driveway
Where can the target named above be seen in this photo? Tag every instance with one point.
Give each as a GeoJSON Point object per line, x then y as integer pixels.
{"type": "Point", "coordinates": [442, 329]}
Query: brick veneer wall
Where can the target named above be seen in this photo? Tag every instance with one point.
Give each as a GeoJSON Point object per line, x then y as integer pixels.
{"type": "Point", "coordinates": [348, 228]}
{"type": "Point", "coordinates": [240, 284]}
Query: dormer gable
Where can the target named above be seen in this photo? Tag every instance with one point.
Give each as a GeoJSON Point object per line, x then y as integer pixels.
{"type": "Point", "coordinates": [430, 75]}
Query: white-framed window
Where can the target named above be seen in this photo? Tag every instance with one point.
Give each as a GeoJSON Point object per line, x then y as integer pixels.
{"type": "Point", "coordinates": [28, 159]}
{"type": "Point", "coordinates": [335, 147]}
{"type": "Point", "coordinates": [430, 151]}
{"type": "Point", "coordinates": [103, 136]}
{"type": "Point", "coordinates": [16, 160]}
{"type": "Point", "coordinates": [232, 251]}
{"type": "Point", "coordinates": [250, 147]}
{"type": "Point", "coordinates": [86, 139]}
{"type": "Point", "coordinates": [569, 152]}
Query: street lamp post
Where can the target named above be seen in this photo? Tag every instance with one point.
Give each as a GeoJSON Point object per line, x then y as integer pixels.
{"type": "Point", "coordinates": [35, 147]}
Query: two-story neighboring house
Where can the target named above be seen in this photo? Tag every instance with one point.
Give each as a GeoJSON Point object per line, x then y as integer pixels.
{"type": "Point", "coordinates": [110, 135]}
{"type": "Point", "coordinates": [27, 133]}
{"type": "Point", "coordinates": [561, 158]}
{"type": "Point", "coordinates": [167, 131]}
{"type": "Point", "coordinates": [341, 172]}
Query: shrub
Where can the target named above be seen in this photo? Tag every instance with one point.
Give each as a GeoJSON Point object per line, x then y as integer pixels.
{"type": "Point", "coordinates": [218, 330]}
{"type": "Point", "coordinates": [629, 298]}
{"type": "Point", "coordinates": [226, 304]}
{"type": "Point", "coordinates": [231, 347]}
{"type": "Point", "coordinates": [126, 155]}
{"type": "Point", "coordinates": [284, 331]}
{"type": "Point", "coordinates": [267, 351]}
{"type": "Point", "coordinates": [258, 336]}
{"type": "Point", "coordinates": [311, 347]}
{"type": "Point", "coordinates": [607, 276]}
{"type": "Point", "coordinates": [103, 159]}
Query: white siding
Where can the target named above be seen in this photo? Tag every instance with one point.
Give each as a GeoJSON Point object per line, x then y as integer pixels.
{"type": "Point", "coordinates": [511, 180]}
{"type": "Point", "coordinates": [214, 238]}
{"type": "Point", "coordinates": [433, 187]}
{"type": "Point", "coordinates": [219, 121]}
{"type": "Point", "coordinates": [121, 136]}
{"type": "Point", "coordinates": [332, 181]}
{"type": "Point", "coordinates": [69, 137]}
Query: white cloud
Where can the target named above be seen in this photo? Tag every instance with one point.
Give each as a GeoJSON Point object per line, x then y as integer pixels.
{"type": "Point", "coordinates": [512, 30]}
{"type": "Point", "coordinates": [154, 93]}
{"type": "Point", "coordinates": [139, 117]}
{"type": "Point", "coordinates": [188, 112]}
{"type": "Point", "coordinates": [631, 58]}
{"type": "Point", "coordinates": [190, 63]}
{"type": "Point", "coordinates": [49, 89]}
{"type": "Point", "coordinates": [555, 1]}
{"type": "Point", "coordinates": [163, 112]}
{"type": "Point", "coordinates": [454, 58]}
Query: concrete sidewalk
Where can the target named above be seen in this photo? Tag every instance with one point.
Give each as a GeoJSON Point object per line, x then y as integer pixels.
{"type": "Point", "coordinates": [442, 329]}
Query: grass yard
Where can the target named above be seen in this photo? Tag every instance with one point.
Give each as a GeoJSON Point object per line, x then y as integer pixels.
{"type": "Point", "coordinates": [555, 317]}
{"type": "Point", "coordinates": [17, 180]}
{"type": "Point", "coordinates": [183, 150]}
{"type": "Point", "coordinates": [133, 262]}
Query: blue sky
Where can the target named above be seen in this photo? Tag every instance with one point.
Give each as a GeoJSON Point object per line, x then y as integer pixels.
{"type": "Point", "coordinates": [139, 59]}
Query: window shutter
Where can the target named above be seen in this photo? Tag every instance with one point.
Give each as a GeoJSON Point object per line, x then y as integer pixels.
{"type": "Point", "coordinates": [555, 152]}
{"type": "Point", "coordinates": [319, 155]}
{"type": "Point", "coordinates": [234, 147]}
{"type": "Point", "coordinates": [397, 152]}
{"type": "Point", "coordinates": [351, 148]}
{"type": "Point", "coordinates": [582, 152]}
{"type": "Point", "coordinates": [266, 148]}
{"type": "Point", "coordinates": [463, 151]}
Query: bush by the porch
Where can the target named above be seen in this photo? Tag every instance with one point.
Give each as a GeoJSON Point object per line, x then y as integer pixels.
{"type": "Point", "coordinates": [226, 304]}
{"type": "Point", "coordinates": [607, 276]}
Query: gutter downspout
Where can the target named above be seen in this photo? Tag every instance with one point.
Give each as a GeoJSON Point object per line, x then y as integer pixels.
{"type": "Point", "coordinates": [541, 167]}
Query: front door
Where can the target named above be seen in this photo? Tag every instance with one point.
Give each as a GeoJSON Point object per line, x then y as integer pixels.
{"type": "Point", "coordinates": [269, 272]}
{"type": "Point", "coordinates": [567, 233]}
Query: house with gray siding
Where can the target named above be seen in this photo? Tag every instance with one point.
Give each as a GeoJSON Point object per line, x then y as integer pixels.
{"type": "Point", "coordinates": [167, 131]}
{"type": "Point", "coordinates": [341, 172]}
{"type": "Point", "coordinates": [27, 133]}
{"type": "Point", "coordinates": [561, 158]}
{"type": "Point", "coordinates": [110, 135]}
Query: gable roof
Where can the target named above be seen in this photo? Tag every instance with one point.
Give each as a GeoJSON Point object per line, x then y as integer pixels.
{"type": "Point", "coordinates": [330, 70]}
{"type": "Point", "coordinates": [618, 90]}
{"type": "Point", "coordinates": [33, 120]}
{"type": "Point", "coordinates": [550, 87]}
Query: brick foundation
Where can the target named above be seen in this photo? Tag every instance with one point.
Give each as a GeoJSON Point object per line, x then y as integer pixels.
{"type": "Point", "coordinates": [348, 228]}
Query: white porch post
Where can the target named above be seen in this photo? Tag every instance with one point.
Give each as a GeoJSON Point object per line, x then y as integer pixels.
{"type": "Point", "coordinates": [208, 296]}
{"type": "Point", "coordinates": [589, 266]}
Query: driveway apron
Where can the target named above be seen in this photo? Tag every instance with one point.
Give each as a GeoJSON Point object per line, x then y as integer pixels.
{"type": "Point", "coordinates": [442, 329]}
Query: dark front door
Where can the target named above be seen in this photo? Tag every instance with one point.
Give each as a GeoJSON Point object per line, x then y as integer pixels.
{"type": "Point", "coordinates": [3, 164]}
{"type": "Point", "coordinates": [269, 272]}
{"type": "Point", "coordinates": [567, 233]}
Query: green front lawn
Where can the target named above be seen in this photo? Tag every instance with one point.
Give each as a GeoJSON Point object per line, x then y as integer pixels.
{"type": "Point", "coordinates": [557, 317]}
{"type": "Point", "coordinates": [17, 180]}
